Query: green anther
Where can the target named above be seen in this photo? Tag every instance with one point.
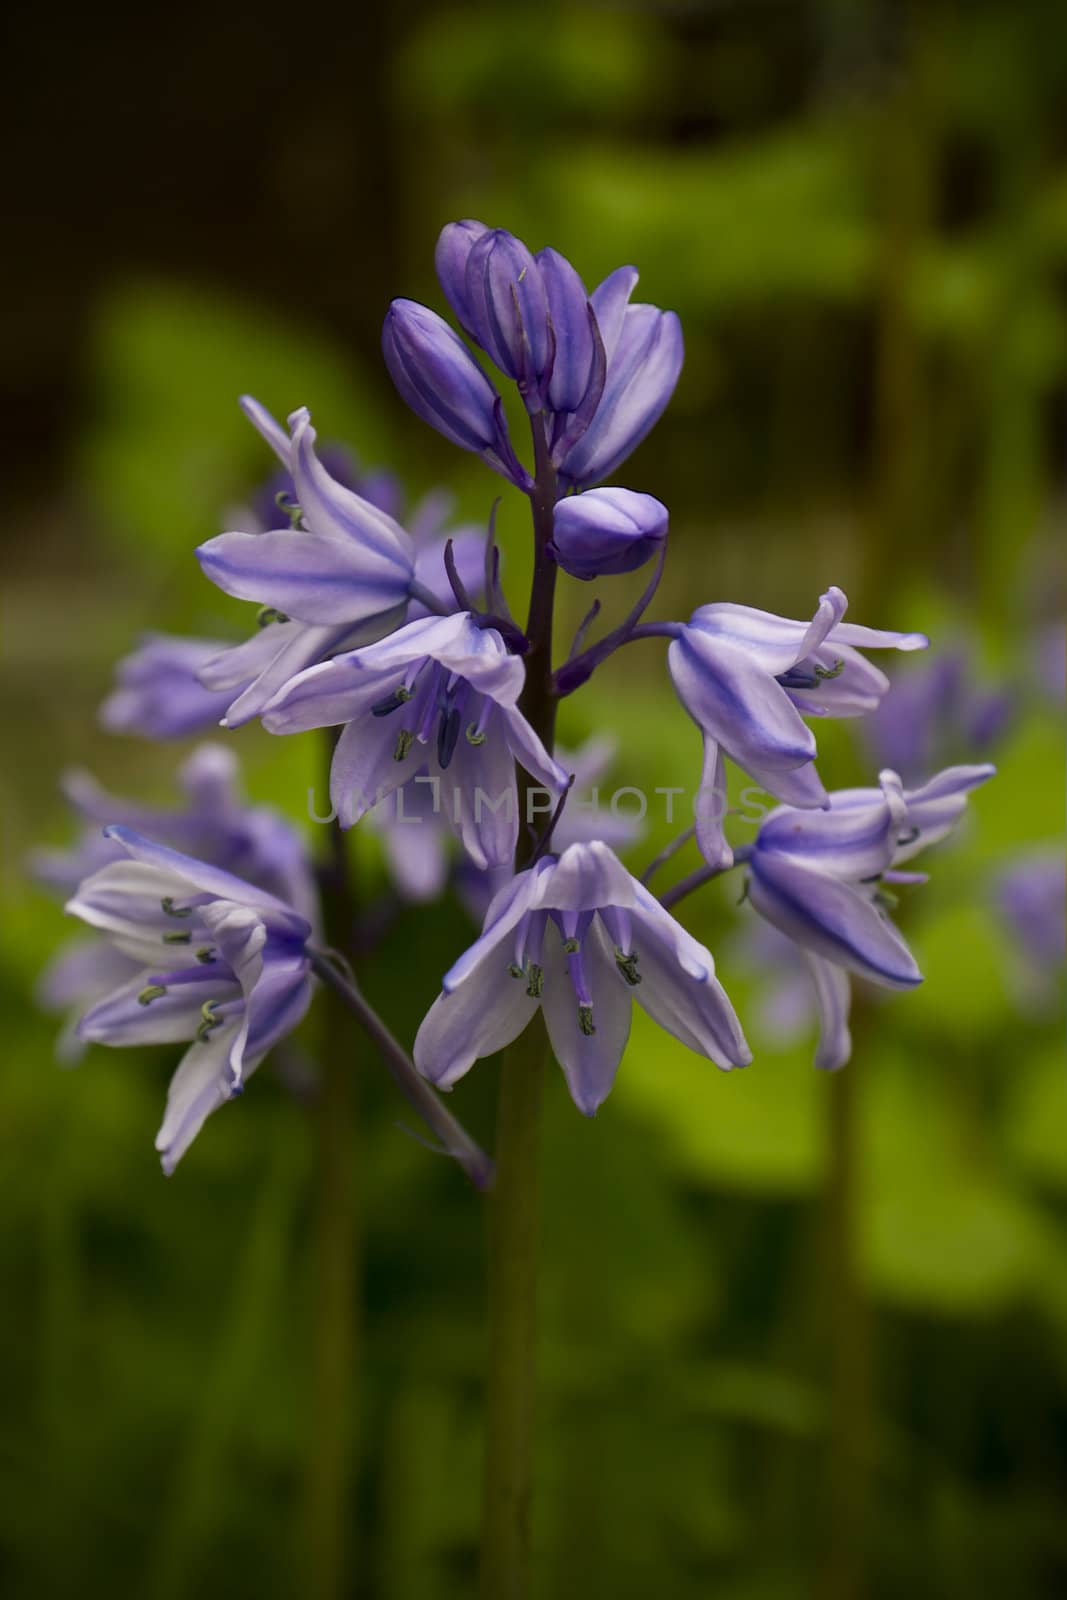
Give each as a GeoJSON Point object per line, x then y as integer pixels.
{"type": "Point", "coordinates": [290, 507]}
{"type": "Point", "coordinates": [205, 955]}
{"type": "Point", "coordinates": [572, 946]}
{"type": "Point", "coordinates": [404, 741]}
{"type": "Point", "coordinates": [825, 673]}
{"type": "Point", "coordinates": [536, 985]}
{"type": "Point", "coordinates": [154, 991]}
{"type": "Point", "coordinates": [887, 901]}
{"type": "Point", "coordinates": [473, 735]}
{"type": "Point", "coordinates": [177, 938]}
{"type": "Point", "coordinates": [627, 965]}
{"type": "Point", "coordinates": [516, 971]}
{"type": "Point", "coordinates": [743, 896]}
{"type": "Point", "coordinates": [585, 1021]}
{"type": "Point", "coordinates": [208, 1019]}
{"type": "Point", "coordinates": [268, 614]}
{"type": "Point", "coordinates": [172, 910]}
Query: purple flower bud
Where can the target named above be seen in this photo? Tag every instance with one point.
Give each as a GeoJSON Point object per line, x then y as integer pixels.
{"type": "Point", "coordinates": [508, 311]}
{"type": "Point", "coordinates": [444, 385]}
{"type": "Point", "coordinates": [568, 308]}
{"type": "Point", "coordinates": [450, 258]}
{"type": "Point", "coordinates": [604, 532]}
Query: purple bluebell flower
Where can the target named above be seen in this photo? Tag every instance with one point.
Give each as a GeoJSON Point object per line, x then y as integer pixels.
{"type": "Point", "coordinates": [247, 675]}
{"type": "Point", "coordinates": [605, 532]}
{"type": "Point", "coordinates": [219, 963]}
{"type": "Point", "coordinates": [443, 384]}
{"type": "Point", "coordinates": [1031, 897]}
{"type": "Point", "coordinates": [158, 693]}
{"type": "Point", "coordinates": [746, 676]}
{"type": "Point", "coordinates": [347, 563]}
{"type": "Point", "coordinates": [577, 936]}
{"type": "Point", "coordinates": [215, 824]}
{"type": "Point", "coordinates": [935, 712]}
{"type": "Point", "coordinates": [441, 695]}
{"type": "Point", "coordinates": [820, 877]}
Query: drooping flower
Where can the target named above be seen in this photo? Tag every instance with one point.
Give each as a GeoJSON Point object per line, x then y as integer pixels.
{"type": "Point", "coordinates": [935, 712]}
{"type": "Point", "coordinates": [215, 825]}
{"type": "Point", "coordinates": [578, 937]}
{"type": "Point", "coordinates": [746, 677]}
{"type": "Point", "coordinates": [219, 963]}
{"type": "Point", "coordinates": [441, 695]}
{"type": "Point", "coordinates": [247, 675]}
{"type": "Point", "coordinates": [819, 877]}
{"type": "Point", "coordinates": [158, 693]}
{"type": "Point", "coordinates": [606, 532]}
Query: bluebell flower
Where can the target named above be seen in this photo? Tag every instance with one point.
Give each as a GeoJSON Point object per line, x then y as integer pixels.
{"type": "Point", "coordinates": [1031, 896]}
{"type": "Point", "coordinates": [747, 677]}
{"type": "Point", "coordinates": [247, 675]}
{"type": "Point", "coordinates": [218, 963]}
{"type": "Point", "coordinates": [820, 877]}
{"type": "Point", "coordinates": [935, 712]}
{"type": "Point", "coordinates": [214, 824]}
{"type": "Point", "coordinates": [158, 693]}
{"type": "Point", "coordinates": [579, 938]}
{"type": "Point", "coordinates": [441, 696]}
{"type": "Point", "coordinates": [606, 532]}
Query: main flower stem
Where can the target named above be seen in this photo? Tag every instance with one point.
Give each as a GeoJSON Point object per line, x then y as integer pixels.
{"type": "Point", "coordinates": [514, 1211]}
{"type": "Point", "coordinates": [336, 1331]}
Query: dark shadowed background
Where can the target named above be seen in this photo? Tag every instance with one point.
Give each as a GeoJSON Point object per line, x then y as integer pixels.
{"type": "Point", "coordinates": [860, 213]}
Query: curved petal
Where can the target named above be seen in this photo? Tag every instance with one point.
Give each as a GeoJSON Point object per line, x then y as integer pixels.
{"type": "Point", "coordinates": [851, 842]}
{"type": "Point", "coordinates": [365, 771]}
{"type": "Point", "coordinates": [172, 1018]}
{"type": "Point", "coordinates": [738, 703]}
{"type": "Point", "coordinates": [709, 810]}
{"type": "Point", "coordinates": [833, 998]}
{"type": "Point", "coordinates": [695, 1010]}
{"type": "Point", "coordinates": [589, 1060]}
{"type": "Point", "coordinates": [529, 751]}
{"type": "Point", "coordinates": [476, 1019]}
{"type": "Point", "coordinates": [308, 576]}
{"type": "Point", "coordinates": [610, 300]}
{"type": "Point", "coordinates": [480, 799]}
{"type": "Point", "coordinates": [201, 1084]}
{"type": "Point", "coordinates": [830, 919]}
{"type": "Point", "coordinates": [209, 880]}
{"type": "Point", "coordinates": [586, 877]}
{"type": "Point", "coordinates": [642, 373]}
{"type": "Point", "coordinates": [336, 512]}
{"type": "Point", "coordinates": [506, 910]}
{"type": "Point", "coordinates": [268, 429]}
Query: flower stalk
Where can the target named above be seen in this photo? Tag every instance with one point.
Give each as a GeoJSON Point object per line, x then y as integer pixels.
{"type": "Point", "coordinates": [514, 1208]}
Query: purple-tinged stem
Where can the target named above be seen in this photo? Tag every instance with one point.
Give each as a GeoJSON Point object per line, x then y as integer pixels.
{"type": "Point", "coordinates": [666, 854]}
{"type": "Point", "coordinates": [698, 878]}
{"type": "Point", "coordinates": [514, 1208]}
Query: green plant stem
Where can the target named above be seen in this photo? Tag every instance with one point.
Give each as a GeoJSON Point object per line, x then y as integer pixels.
{"type": "Point", "coordinates": [514, 1210]}
{"type": "Point", "coordinates": [338, 1259]}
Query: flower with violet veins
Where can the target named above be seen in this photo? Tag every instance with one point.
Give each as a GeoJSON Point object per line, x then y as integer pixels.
{"type": "Point", "coordinates": [745, 676]}
{"type": "Point", "coordinates": [579, 937]}
{"type": "Point", "coordinates": [247, 675]}
{"type": "Point", "coordinates": [441, 695]}
{"type": "Point", "coordinates": [158, 693]}
{"type": "Point", "coordinates": [219, 963]}
{"type": "Point", "coordinates": [817, 876]}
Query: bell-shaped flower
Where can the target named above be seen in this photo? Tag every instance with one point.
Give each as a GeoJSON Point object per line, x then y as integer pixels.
{"type": "Point", "coordinates": [347, 562]}
{"type": "Point", "coordinates": [605, 532]}
{"type": "Point", "coordinates": [644, 350]}
{"type": "Point", "coordinates": [747, 676]}
{"type": "Point", "coordinates": [218, 963]}
{"type": "Point", "coordinates": [579, 938]}
{"type": "Point", "coordinates": [820, 877]}
{"type": "Point", "coordinates": [439, 695]}
{"type": "Point", "coordinates": [158, 693]}
{"type": "Point", "coordinates": [936, 712]}
{"type": "Point", "coordinates": [440, 380]}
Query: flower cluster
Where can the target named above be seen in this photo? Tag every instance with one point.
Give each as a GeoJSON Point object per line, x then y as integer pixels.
{"type": "Point", "coordinates": [399, 635]}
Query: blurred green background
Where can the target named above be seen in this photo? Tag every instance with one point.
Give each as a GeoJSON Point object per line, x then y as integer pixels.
{"type": "Point", "coordinates": [860, 212]}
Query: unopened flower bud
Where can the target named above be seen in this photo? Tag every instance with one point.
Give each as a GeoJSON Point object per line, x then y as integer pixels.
{"type": "Point", "coordinates": [604, 532]}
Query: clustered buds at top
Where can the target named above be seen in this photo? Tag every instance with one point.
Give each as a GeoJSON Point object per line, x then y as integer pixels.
{"type": "Point", "coordinates": [217, 962]}
{"type": "Point", "coordinates": [605, 532]}
{"type": "Point", "coordinates": [580, 938]}
{"type": "Point", "coordinates": [818, 876]}
{"type": "Point", "coordinates": [745, 676]}
{"type": "Point", "coordinates": [600, 369]}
